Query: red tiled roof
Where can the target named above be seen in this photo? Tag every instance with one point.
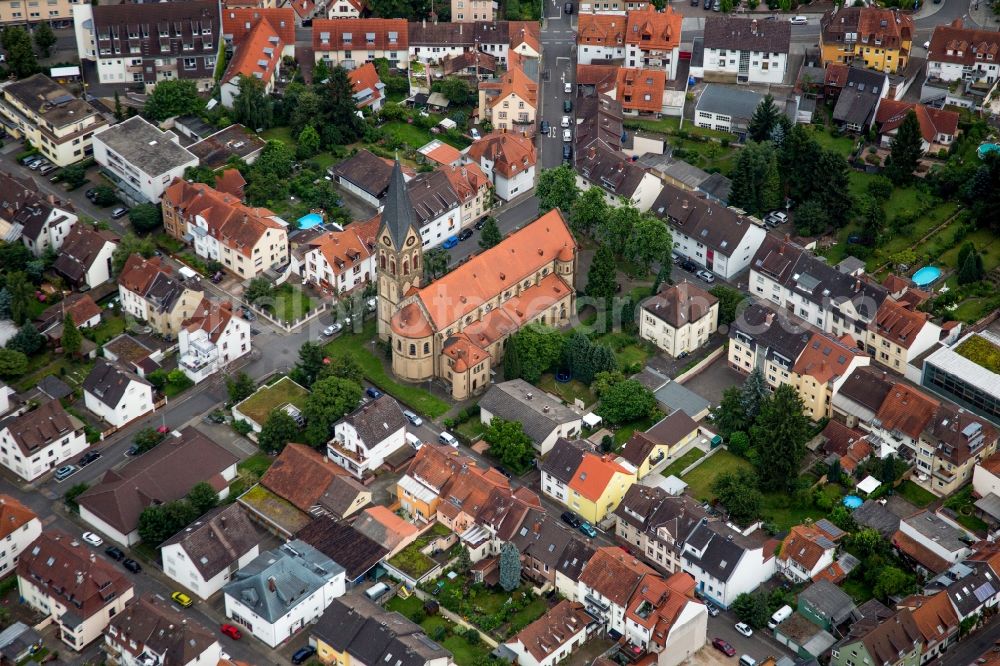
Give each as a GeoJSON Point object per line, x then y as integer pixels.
{"type": "Point", "coordinates": [138, 272]}
{"type": "Point", "coordinates": [594, 474]}
{"type": "Point", "coordinates": [301, 475]}
{"type": "Point", "coordinates": [358, 29]}
{"type": "Point", "coordinates": [919, 553]}
{"type": "Point", "coordinates": [891, 113]}
{"type": "Point", "coordinates": [240, 21]}
{"type": "Point", "coordinates": [343, 250]}
{"type": "Point", "coordinates": [897, 324]}
{"type": "Point", "coordinates": [210, 316]}
{"type": "Point", "coordinates": [652, 30]}
{"type": "Point", "coordinates": [955, 44]}
{"type": "Point", "coordinates": [366, 78]}
{"type": "Point", "coordinates": [516, 82]}
{"type": "Point", "coordinates": [641, 89]}
{"type": "Point", "coordinates": [825, 358]}
{"type": "Point", "coordinates": [614, 574]}
{"type": "Point", "coordinates": [13, 515]}
{"type": "Point", "coordinates": [607, 30]}
{"type": "Point", "coordinates": [510, 153]}
{"type": "Point", "coordinates": [603, 77]}
{"type": "Point", "coordinates": [549, 633]}
{"type": "Point", "coordinates": [907, 410]}
{"type": "Point", "coordinates": [258, 55]}
{"type": "Point", "coordinates": [836, 74]}
{"type": "Point", "coordinates": [467, 180]}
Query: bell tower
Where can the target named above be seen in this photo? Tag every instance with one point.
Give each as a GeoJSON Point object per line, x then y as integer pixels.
{"type": "Point", "coordinates": [400, 251]}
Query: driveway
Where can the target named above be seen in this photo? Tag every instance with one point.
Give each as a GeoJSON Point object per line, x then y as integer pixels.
{"type": "Point", "coordinates": [713, 380]}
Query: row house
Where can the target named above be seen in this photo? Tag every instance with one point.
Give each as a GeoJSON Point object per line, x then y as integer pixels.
{"type": "Point", "coordinates": [650, 451]}
{"type": "Point", "coordinates": [552, 638]}
{"type": "Point", "coordinates": [936, 621]}
{"type": "Point", "coordinates": [814, 363]}
{"type": "Point", "coordinates": [85, 256]}
{"type": "Point", "coordinates": [472, 187]}
{"type": "Point", "coordinates": [880, 38]}
{"type": "Point", "coordinates": [343, 260]}
{"type": "Point", "coordinates": [55, 13]}
{"type": "Point", "coordinates": [891, 641]}
{"type": "Point", "coordinates": [246, 241]}
{"type": "Point", "coordinates": [511, 103]}
{"type": "Point", "coordinates": [593, 487]}
{"type": "Point", "coordinates": [963, 64]}
{"type": "Point", "coordinates": [599, 38]}
{"type": "Point", "coordinates": [41, 222]}
{"type": "Point", "coordinates": [951, 446]}
{"type": "Point", "coordinates": [652, 39]}
{"type": "Point", "coordinates": [436, 206]}
{"type": "Point", "coordinates": [468, 11]}
{"type": "Point", "coordinates": [621, 179]}
{"type": "Point", "coordinates": [151, 628]}
{"type": "Point", "coordinates": [41, 440]}
{"type": "Point", "coordinates": [657, 524]}
{"type": "Point", "coordinates": [508, 160]}
{"type": "Point", "coordinates": [930, 543]}
{"type": "Point", "coordinates": [151, 42]}
{"type": "Point", "coordinates": [899, 334]}
{"type": "Point", "coordinates": [149, 291]}
{"type": "Point", "coordinates": [746, 50]}
{"type": "Point", "coordinates": [341, 9]}
{"type": "Point", "coordinates": [212, 338]}
{"type": "Point", "coordinates": [46, 114]}
{"type": "Point", "coordinates": [641, 91]}
{"type": "Point", "coordinates": [434, 43]}
{"type": "Point", "coordinates": [351, 43]}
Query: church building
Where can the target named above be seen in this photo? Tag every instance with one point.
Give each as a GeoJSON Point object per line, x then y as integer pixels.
{"type": "Point", "coordinates": [455, 328]}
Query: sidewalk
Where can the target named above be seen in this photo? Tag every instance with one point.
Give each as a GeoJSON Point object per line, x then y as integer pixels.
{"type": "Point", "coordinates": [981, 14]}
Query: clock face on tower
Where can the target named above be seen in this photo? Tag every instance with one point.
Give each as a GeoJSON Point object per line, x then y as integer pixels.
{"type": "Point", "coordinates": [385, 239]}
{"type": "Point", "coordinates": [410, 241]}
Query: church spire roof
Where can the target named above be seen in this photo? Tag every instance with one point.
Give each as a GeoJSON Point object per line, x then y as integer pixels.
{"type": "Point", "coordinates": [397, 215]}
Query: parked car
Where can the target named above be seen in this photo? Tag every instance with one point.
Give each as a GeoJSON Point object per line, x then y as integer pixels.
{"type": "Point", "coordinates": [567, 136]}
{"type": "Point", "coordinates": [480, 223]}
{"type": "Point", "coordinates": [47, 169]}
{"type": "Point", "coordinates": [568, 8]}
{"type": "Point", "coordinates": [65, 472]}
{"type": "Point", "coordinates": [567, 152]}
{"type": "Point", "coordinates": [217, 277]}
{"type": "Point", "coordinates": [133, 450]}
{"type": "Point", "coordinates": [447, 439]}
{"type": "Point", "coordinates": [93, 539]}
{"type": "Point", "coordinates": [182, 599]}
{"type": "Point", "coordinates": [115, 553]}
{"type": "Point", "coordinates": [798, 19]}
{"type": "Point", "coordinates": [25, 161]}
{"type": "Point", "coordinates": [503, 470]}
{"type": "Point", "coordinates": [689, 266]}
{"type": "Point", "coordinates": [706, 276]}
{"type": "Point", "coordinates": [567, 105]}
{"type": "Point", "coordinates": [564, 122]}
{"type": "Point", "coordinates": [775, 218]}
{"type": "Point", "coordinates": [247, 313]}
{"type": "Point", "coordinates": [413, 418]}
{"type": "Point", "coordinates": [570, 519]}
{"type": "Point", "coordinates": [544, 129]}
{"type": "Point", "coordinates": [302, 654]}
{"type": "Point", "coordinates": [712, 609]}
{"type": "Point", "coordinates": [331, 330]}
{"type": "Point", "coordinates": [38, 164]}
{"type": "Point", "coordinates": [373, 393]}
{"type": "Point", "coordinates": [132, 565]}
{"type": "Point", "coordinates": [450, 242]}
{"type": "Point", "coordinates": [91, 194]}
{"type": "Point", "coordinates": [88, 458]}
{"type": "Point", "coordinates": [724, 647]}
{"type": "Point", "coordinates": [567, 87]}
{"type": "Point", "coordinates": [119, 212]}
{"type": "Point", "coordinates": [717, 6]}
{"type": "Point", "coordinates": [587, 529]}
{"type": "Point", "coordinates": [466, 234]}
{"type": "Point", "coordinates": [231, 631]}
{"type": "Point", "coordinates": [744, 629]}
{"type": "Point", "coordinates": [474, 133]}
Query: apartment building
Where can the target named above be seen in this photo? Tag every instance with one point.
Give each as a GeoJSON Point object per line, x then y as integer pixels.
{"type": "Point", "coordinates": [600, 37]}
{"type": "Point", "coordinates": [679, 319]}
{"type": "Point", "coordinates": [746, 50]}
{"type": "Point", "coordinates": [880, 38]}
{"type": "Point", "coordinates": [899, 334]}
{"type": "Point", "coordinates": [149, 291]}
{"type": "Point", "coordinates": [21, 12]}
{"type": "Point", "coordinates": [212, 338]}
{"type": "Point", "coordinates": [510, 103]}
{"type": "Point", "coordinates": [507, 160]}
{"type": "Point", "coordinates": [19, 527]}
{"type": "Point", "coordinates": [467, 11]}
{"type": "Point", "coordinates": [351, 43]}
{"type": "Point", "coordinates": [958, 53]}
{"type": "Point", "coordinates": [343, 260]}
{"type": "Point", "coordinates": [653, 38]}
{"type": "Point", "coordinates": [657, 524]}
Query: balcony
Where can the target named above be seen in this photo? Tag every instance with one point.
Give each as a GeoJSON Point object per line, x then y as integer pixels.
{"type": "Point", "coordinates": [336, 448]}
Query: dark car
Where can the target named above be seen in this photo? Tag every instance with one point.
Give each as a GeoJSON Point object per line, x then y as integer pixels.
{"type": "Point", "coordinates": [91, 193]}
{"type": "Point", "coordinates": [115, 553]}
{"type": "Point", "coordinates": [132, 566]}
{"type": "Point", "coordinates": [570, 519]}
{"type": "Point", "coordinates": [217, 277]}
{"type": "Point", "coordinates": [481, 222]}
{"type": "Point", "coordinates": [689, 265]}
{"type": "Point", "coordinates": [568, 8]}
{"type": "Point", "coordinates": [567, 105]}
{"type": "Point", "coordinates": [545, 127]}
{"type": "Point", "coordinates": [88, 458]}
{"type": "Point", "coordinates": [708, 4]}
{"type": "Point", "coordinates": [466, 234]}
{"type": "Point", "coordinates": [373, 393]}
{"type": "Point", "coordinates": [724, 647]}
{"type": "Point", "coordinates": [503, 470]}
{"type": "Point", "coordinates": [133, 450]}
{"type": "Point", "coordinates": [567, 152]}
{"type": "Point", "coordinates": [302, 654]}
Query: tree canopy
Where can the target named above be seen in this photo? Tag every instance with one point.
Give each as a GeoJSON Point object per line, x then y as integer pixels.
{"type": "Point", "coordinates": [173, 97]}
{"type": "Point", "coordinates": [756, 184]}
{"type": "Point", "coordinates": [278, 430]}
{"type": "Point", "coordinates": [509, 443]}
{"type": "Point", "coordinates": [627, 401]}
{"type": "Point", "coordinates": [330, 399]}
{"type": "Point", "coordinates": [557, 189]}
{"type": "Point", "coordinates": [905, 150]}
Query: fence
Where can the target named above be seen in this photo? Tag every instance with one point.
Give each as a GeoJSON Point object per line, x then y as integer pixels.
{"type": "Point", "coordinates": [286, 326]}
{"type": "Point", "coordinates": [712, 357]}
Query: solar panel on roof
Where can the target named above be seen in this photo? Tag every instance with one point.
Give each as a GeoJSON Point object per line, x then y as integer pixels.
{"type": "Point", "coordinates": [984, 592]}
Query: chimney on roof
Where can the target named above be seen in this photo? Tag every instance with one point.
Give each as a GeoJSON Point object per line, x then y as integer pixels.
{"type": "Point", "coordinates": [769, 318]}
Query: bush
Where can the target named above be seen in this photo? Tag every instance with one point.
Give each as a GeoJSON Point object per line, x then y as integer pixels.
{"type": "Point", "coordinates": [242, 428]}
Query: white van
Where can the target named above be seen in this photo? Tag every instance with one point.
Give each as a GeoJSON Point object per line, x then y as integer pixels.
{"type": "Point", "coordinates": [747, 660]}
{"type": "Point", "coordinates": [447, 438]}
{"type": "Point", "coordinates": [779, 616]}
{"type": "Point", "coordinates": [413, 441]}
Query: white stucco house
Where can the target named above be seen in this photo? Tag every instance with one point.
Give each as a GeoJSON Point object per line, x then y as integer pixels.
{"type": "Point", "coordinates": [40, 440]}
{"type": "Point", "coordinates": [363, 439]}
{"type": "Point", "coordinates": [19, 526]}
{"type": "Point", "coordinates": [117, 395]}
{"type": "Point", "coordinates": [746, 50]}
{"type": "Point", "coordinates": [726, 562]}
{"type": "Point", "coordinates": [211, 339]}
{"type": "Point", "coordinates": [508, 160]}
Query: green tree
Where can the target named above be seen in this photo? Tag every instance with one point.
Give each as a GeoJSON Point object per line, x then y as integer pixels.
{"type": "Point", "coordinates": [537, 350]}
{"type": "Point", "coordinates": [435, 263]}
{"type": "Point", "coordinates": [252, 106]}
{"type": "Point", "coordinates": [739, 443]}
{"type": "Point", "coordinates": [763, 120]}
{"type": "Point", "coordinates": [458, 92]}
{"type": "Point", "coordinates": [867, 542]}
{"type": "Point", "coordinates": [199, 174]}
{"type": "Point", "coordinates": [557, 189]}
{"type": "Point", "coordinates": [811, 218]}
{"type": "Point", "coordinates": [892, 582]}
{"type": "Point", "coordinates": [147, 439]}
{"type": "Point", "coordinates": [756, 185]}
{"type": "Point", "coordinates": [753, 394]}
{"type": "Point", "coordinates": [27, 340]}
{"type": "Point", "coordinates": [309, 142]}
{"type": "Point", "coordinates": [601, 277]}
{"type": "Point", "coordinates": [589, 211]}
{"type": "Point", "coordinates": [779, 437]}
{"type": "Point", "coordinates": [268, 177]}
{"type": "Point", "coordinates": [463, 562]}
{"type": "Point", "coordinates": [649, 241]}
{"type": "Point", "coordinates": [71, 339]}
{"type": "Point", "coordinates": [627, 401]}
{"type": "Point", "coordinates": [490, 235]}
{"type": "Point", "coordinates": [104, 196]}
{"type": "Point", "coordinates": [970, 264]}
{"type": "Point", "coordinates": [155, 526]}
{"type": "Point", "coordinates": [345, 367]}
{"type": "Point", "coordinates": [730, 416]}
{"type": "Point", "coordinates": [306, 111]}
{"type": "Point", "coordinates": [173, 97]}
{"type": "Point", "coordinates": [259, 289]}
{"type": "Point", "coordinates": [739, 492]}
{"type": "Point", "coordinates": [310, 364]}
{"type": "Point", "coordinates": [752, 608]}
{"type": "Point", "coordinates": [510, 567]}
{"type": "Point", "coordinates": [872, 219]}
{"type": "Point", "coordinates": [278, 430]}
{"type": "Point", "coordinates": [240, 387]}
{"type": "Point", "coordinates": [119, 113]}
{"type": "Point", "coordinates": [72, 494]}
{"type": "Point", "coordinates": [202, 497]}
{"type": "Point", "coordinates": [330, 399]}
{"type": "Point", "coordinates": [20, 55]}
{"type": "Point", "coordinates": [342, 124]}
{"type": "Point", "coordinates": [880, 188]}
{"type": "Point", "coordinates": [508, 443]}
{"type": "Point", "coordinates": [12, 363]}
{"type": "Point", "coordinates": [146, 218]}
{"type": "Point", "coordinates": [45, 39]}
{"type": "Point", "coordinates": [905, 150]}
{"type": "Point", "coordinates": [604, 381]}
{"type": "Point", "coordinates": [22, 294]}
{"type": "Point", "coordinates": [729, 302]}
{"type": "Point", "coordinates": [74, 175]}
{"type": "Point", "coordinates": [128, 245]}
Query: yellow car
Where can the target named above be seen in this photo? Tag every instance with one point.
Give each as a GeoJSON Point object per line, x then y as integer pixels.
{"type": "Point", "coordinates": [182, 599]}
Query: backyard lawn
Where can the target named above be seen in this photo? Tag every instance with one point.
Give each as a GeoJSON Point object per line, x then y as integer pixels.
{"type": "Point", "coordinates": [569, 391]}
{"type": "Point", "coordinates": [914, 494]}
{"type": "Point", "coordinates": [676, 467]}
{"type": "Point", "coordinates": [70, 370]}
{"type": "Point", "coordinates": [842, 145]}
{"type": "Point", "coordinates": [671, 124]}
{"type": "Point", "coordinates": [409, 134]}
{"type": "Point", "coordinates": [288, 303]}
{"type": "Point", "coordinates": [781, 508]}
{"type": "Point", "coordinates": [284, 391]}
{"type": "Point", "coordinates": [701, 478]}
{"type": "Point", "coordinates": [465, 653]}
{"type": "Point", "coordinates": [360, 347]}
{"type": "Point", "coordinates": [111, 326]}
{"type": "Point", "coordinates": [629, 349]}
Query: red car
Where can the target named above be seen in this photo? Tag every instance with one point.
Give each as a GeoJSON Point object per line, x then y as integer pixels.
{"type": "Point", "coordinates": [724, 647]}
{"type": "Point", "coordinates": [234, 633]}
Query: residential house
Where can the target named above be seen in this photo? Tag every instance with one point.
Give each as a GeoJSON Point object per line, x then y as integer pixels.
{"type": "Point", "coordinates": [164, 474]}
{"type": "Point", "coordinates": [345, 9]}
{"type": "Point", "coordinates": [81, 308]}
{"type": "Point", "coordinates": [365, 175]}
{"type": "Point", "coordinates": [930, 542]}
{"type": "Point", "coordinates": [283, 590]}
{"type": "Point", "coordinates": [238, 22]}
{"type": "Point", "coordinates": [57, 123]}
{"type": "Point", "coordinates": [641, 91]}
{"type": "Point", "coordinates": [595, 487]}
{"type": "Point", "coordinates": [972, 585]}
{"type": "Point", "coordinates": [132, 43]}
{"type": "Point", "coordinates": [653, 38]}
{"type": "Point", "coordinates": [899, 334]}
{"type": "Point", "coordinates": [345, 545]}
{"type": "Point", "coordinates": [859, 101]}
{"type": "Point", "coordinates": [19, 527]}
{"type": "Point", "coordinates": [153, 631]}
{"type": "Point", "coordinates": [357, 630]}
{"type": "Point", "coordinates": [473, 10]}
{"type": "Point", "coordinates": [140, 159]}
{"type": "Point", "coordinates": [806, 286]}
{"type": "Point", "coordinates": [986, 477]}
{"type": "Point", "coordinates": [553, 637]}
{"type": "Point", "coordinates": [217, 151]}
{"type": "Point", "coordinates": [826, 605]}
{"type": "Point", "coordinates": [437, 42]}
{"type": "Point", "coordinates": [220, 227]}
{"type": "Point", "coordinates": [343, 260]}
{"type": "Point", "coordinates": [607, 585]}
{"type": "Point", "coordinates": [938, 127]}
{"type": "Point", "coordinates": [746, 50]}
{"type": "Point", "coordinates": [386, 528]}
{"type": "Point", "coordinates": [364, 438]}
{"type": "Point", "coordinates": [203, 556]}
{"type": "Point", "coordinates": [936, 620]}
{"type": "Point", "coordinates": [85, 257]}
{"type": "Point", "coordinates": [59, 577]}
{"type": "Point", "coordinates": [679, 319]}
{"type": "Point", "coordinates": [711, 235]}
{"type": "Point", "coordinates": [570, 566]}
{"type": "Point", "coordinates": [116, 394]}
{"type": "Point", "coordinates": [435, 206]}
{"type": "Point", "coordinates": [560, 464]}
{"type": "Point", "coordinates": [211, 339]}
{"type": "Point", "coordinates": [545, 418]}
{"type": "Point", "coordinates": [351, 43]}
{"type": "Point", "coordinates": [726, 109]}
{"type": "Point", "coordinates": [669, 437]}
{"type": "Point", "coordinates": [508, 160]}
{"type": "Point", "coordinates": [665, 618]}
{"type": "Point", "coordinates": [657, 524]}
{"type": "Point", "coordinates": [41, 222]}
{"type": "Point", "coordinates": [808, 549]}
{"type": "Point", "coordinates": [472, 187]}
{"type": "Point", "coordinates": [433, 473]}
{"type": "Point", "coordinates": [950, 448]}
{"type": "Point", "coordinates": [150, 292]}
{"type": "Point", "coordinates": [257, 55]}
{"type": "Point", "coordinates": [369, 91]}
{"type": "Point", "coordinates": [959, 373]}
{"type": "Point", "coordinates": [963, 64]}
{"type": "Point", "coordinates": [34, 442]}
{"type": "Point", "coordinates": [726, 562]}
{"type": "Point", "coordinates": [848, 445]}
{"type": "Point", "coordinates": [510, 103]}
{"type": "Point", "coordinates": [439, 153]}
{"type": "Point", "coordinates": [621, 179]}
{"type": "Point", "coordinates": [541, 540]}
{"type": "Point", "coordinates": [600, 38]}
{"type": "Point", "coordinates": [880, 38]}
{"type": "Point", "coordinates": [896, 641]}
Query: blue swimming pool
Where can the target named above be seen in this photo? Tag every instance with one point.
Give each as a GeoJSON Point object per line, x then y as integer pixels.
{"type": "Point", "coordinates": [309, 221]}
{"type": "Point", "coordinates": [853, 501]}
{"type": "Point", "coordinates": [986, 149]}
{"type": "Point", "coordinates": [926, 276]}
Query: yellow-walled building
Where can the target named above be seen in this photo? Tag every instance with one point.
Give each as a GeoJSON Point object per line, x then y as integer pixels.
{"type": "Point", "coordinates": [880, 38]}
{"type": "Point", "coordinates": [589, 484]}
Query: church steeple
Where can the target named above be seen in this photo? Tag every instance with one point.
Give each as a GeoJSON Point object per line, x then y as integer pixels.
{"type": "Point", "coordinates": [397, 215]}
{"type": "Point", "coordinates": [400, 251]}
